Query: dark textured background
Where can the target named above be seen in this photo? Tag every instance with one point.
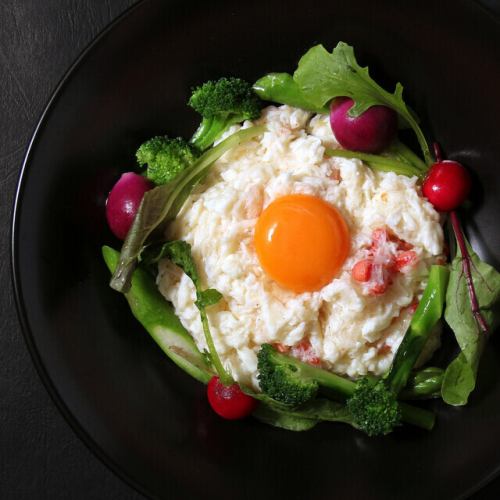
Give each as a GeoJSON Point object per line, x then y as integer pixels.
{"type": "Point", "coordinates": [40, 456]}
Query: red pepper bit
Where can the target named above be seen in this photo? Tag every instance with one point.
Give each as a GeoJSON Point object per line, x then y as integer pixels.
{"type": "Point", "coordinates": [404, 259]}
{"type": "Point", "coordinates": [305, 352]}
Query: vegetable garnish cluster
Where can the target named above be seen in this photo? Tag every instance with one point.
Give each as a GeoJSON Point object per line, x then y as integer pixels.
{"type": "Point", "coordinates": [305, 245]}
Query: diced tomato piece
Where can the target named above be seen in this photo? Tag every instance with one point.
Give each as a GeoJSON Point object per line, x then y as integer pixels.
{"type": "Point", "coordinates": [362, 270]}
{"type": "Point", "coordinates": [378, 288]}
{"type": "Point", "coordinates": [382, 235]}
{"type": "Point", "coordinates": [384, 349]}
{"type": "Point", "coordinates": [305, 352]}
{"type": "Point", "coordinates": [404, 259]}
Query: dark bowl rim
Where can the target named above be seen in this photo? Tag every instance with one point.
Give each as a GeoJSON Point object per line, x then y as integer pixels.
{"type": "Point", "coordinates": [27, 333]}
{"type": "Point", "coordinates": [68, 416]}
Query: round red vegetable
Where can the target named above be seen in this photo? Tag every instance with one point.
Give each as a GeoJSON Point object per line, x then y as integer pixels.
{"type": "Point", "coordinates": [447, 185]}
{"type": "Point", "coordinates": [123, 202]}
{"type": "Point", "coordinates": [370, 132]}
{"type": "Point", "coordinates": [228, 401]}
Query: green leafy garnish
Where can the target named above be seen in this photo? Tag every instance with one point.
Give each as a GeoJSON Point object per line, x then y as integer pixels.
{"type": "Point", "coordinates": [179, 252]}
{"type": "Point", "coordinates": [322, 76]}
{"type": "Point", "coordinates": [282, 88]}
{"type": "Point", "coordinates": [460, 376]}
{"type": "Point", "coordinates": [162, 204]}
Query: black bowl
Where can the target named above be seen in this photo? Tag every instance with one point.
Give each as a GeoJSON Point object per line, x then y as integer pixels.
{"type": "Point", "coordinates": [139, 413]}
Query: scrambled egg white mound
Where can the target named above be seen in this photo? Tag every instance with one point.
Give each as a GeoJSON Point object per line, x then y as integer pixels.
{"type": "Point", "coordinates": [349, 330]}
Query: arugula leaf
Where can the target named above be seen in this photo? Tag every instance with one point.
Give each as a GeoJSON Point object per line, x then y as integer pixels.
{"type": "Point", "coordinates": [460, 376]}
{"type": "Point", "coordinates": [162, 204]}
{"type": "Point", "coordinates": [208, 298]}
{"type": "Point", "coordinates": [322, 76]}
{"type": "Point", "coordinates": [179, 252]}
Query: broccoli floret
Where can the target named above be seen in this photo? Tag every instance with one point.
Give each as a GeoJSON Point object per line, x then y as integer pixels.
{"type": "Point", "coordinates": [166, 158]}
{"type": "Point", "coordinates": [282, 379]}
{"type": "Point", "coordinates": [292, 382]}
{"type": "Point", "coordinates": [222, 103]}
{"type": "Point", "coordinates": [374, 407]}
{"type": "Point", "coordinates": [371, 404]}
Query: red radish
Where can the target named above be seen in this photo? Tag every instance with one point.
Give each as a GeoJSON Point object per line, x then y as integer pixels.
{"type": "Point", "coordinates": [447, 185]}
{"type": "Point", "coordinates": [229, 401]}
{"type": "Point", "coordinates": [370, 132]}
{"type": "Point", "coordinates": [123, 202]}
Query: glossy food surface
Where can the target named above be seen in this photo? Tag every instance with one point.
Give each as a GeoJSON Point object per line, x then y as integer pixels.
{"type": "Point", "coordinates": [370, 132]}
{"type": "Point", "coordinates": [138, 411]}
{"type": "Point", "coordinates": [301, 242]}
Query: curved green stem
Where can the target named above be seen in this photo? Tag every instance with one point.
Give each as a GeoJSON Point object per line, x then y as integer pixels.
{"type": "Point", "coordinates": [225, 378]}
{"type": "Point", "coordinates": [420, 137]}
{"type": "Point", "coordinates": [208, 132]}
{"type": "Point", "coordinates": [376, 162]}
{"type": "Point", "coordinates": [403, 152]}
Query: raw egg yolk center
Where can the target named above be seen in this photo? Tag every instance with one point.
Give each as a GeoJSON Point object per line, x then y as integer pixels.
{"type": "Point", "coordinates": [301, 242]}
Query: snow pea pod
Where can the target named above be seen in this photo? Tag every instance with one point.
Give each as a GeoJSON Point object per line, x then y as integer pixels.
{"type": "Point", "coordinates": [283, 89]}
{"type": "Point", "coordinates": [424, 384]}
{"type": "Point", "coordinates": [157, 316]}
{"type": "Point", "coordinates": [428, 313]}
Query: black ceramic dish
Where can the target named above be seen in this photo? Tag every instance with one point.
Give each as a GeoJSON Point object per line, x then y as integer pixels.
{"type": "Point", "coordinates": [138, 412]}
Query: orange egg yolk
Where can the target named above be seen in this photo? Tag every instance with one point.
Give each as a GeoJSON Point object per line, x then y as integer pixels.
{"type": "Point", "coordinates": [301, 242]}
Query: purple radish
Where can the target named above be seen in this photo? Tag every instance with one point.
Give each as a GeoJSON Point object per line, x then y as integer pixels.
{"type": "Point", "coordinates": [370, 132]}
{"type": "Point", "coordinates": [123, 202]}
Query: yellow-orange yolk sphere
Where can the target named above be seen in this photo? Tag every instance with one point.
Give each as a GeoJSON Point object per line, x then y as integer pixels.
{"type": "Point", "coordinates": [301, 242]}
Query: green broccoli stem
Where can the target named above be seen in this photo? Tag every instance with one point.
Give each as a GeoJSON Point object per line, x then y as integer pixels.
{"type": "Point", "coordinates": [205, 134]}
{"type": "Point", "coordinates": [340, 385]}
{"type": "Point", "coordinates": [376, 162]}
{"type": "Point", "coordinates": [211, 129]}
{"type": "Point", "coordinates": [344, 389]}
{"type": "Point", "coordinates": [403, 152]}
{"type": "Point", "coordinates": [417, 416]}
{"type": "Point", "coordinates": [428, 313]}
